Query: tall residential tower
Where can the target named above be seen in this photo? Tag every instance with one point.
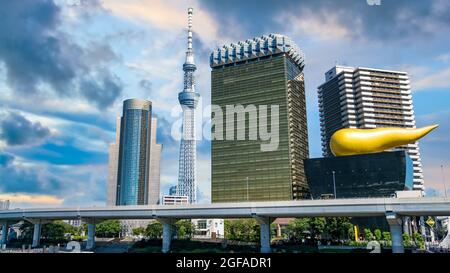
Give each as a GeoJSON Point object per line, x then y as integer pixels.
{"type": "Point", "coordinates": [188, 98]}
{"type": "Point", "coordinates": [262, 72]}
{"type": "Point", "coordinates": [359, 97]}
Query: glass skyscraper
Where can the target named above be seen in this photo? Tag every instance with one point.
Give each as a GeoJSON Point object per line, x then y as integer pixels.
{"type": "Point", "coordinates": [263, 71]}
{"type": "Point", "coordinates": [134, 158]}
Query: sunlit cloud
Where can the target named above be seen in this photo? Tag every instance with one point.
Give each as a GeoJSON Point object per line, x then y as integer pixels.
{"type": "Point", "coordinates": [31, 199]}
{"type": "Point", "coordinates": [322, 25]}
{"type": "Point", "coordinates": [169, 15]}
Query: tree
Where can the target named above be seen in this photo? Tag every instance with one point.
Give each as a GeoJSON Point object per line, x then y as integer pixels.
{"type": "Point", "coordinates": [154, 230]}
{"type": "Point", "coordinates": [418, 238]}
{"type": "Point", "coordinates": [297, 229]}
{"type": "Point", "coordinates": [251, 230]}
{"type": "Point", "coordinates": [338, 227]}
{"type": "Point", "coordinates": [138, 231]}
{"type": "Point", "coordinates": [387, 236]}
{"type": "Point", "coordinates": [242, 230]}
{"type": "Point", "coordinates": [351, 233]}
{"type": "Point", "coordinates": [368, 234]}
{"type": "Point", "coordinates": [378, 234]}
{"type": "Point", "coordinates": [228, 230]}
{"type": "Point", "coordinates": [406, 240]}
{"type": "Point", "coordinates": [53, 231]}
{"type": "Point", "coordinates": [184, 229]}
{"type": "Point", "coordinates": [316, 226]}
{"type": "Point", "coordinates": [108, 228]}
{"type": "Point", "coordinates": [26, 230]}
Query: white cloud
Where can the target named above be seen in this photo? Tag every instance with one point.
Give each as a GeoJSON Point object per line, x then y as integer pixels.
{"type": "Point", "coordinates": [439, 79]}
{"type": "Point", "coordinates": [443, 58]}
{"type": "Point", "coordinates": [317, 25]}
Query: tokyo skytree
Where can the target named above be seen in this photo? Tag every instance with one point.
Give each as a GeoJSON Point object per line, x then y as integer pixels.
{"type": "Point", "coordinates": [188, 98]}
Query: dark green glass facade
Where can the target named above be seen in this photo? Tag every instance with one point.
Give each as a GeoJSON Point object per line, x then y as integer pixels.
{"type": "Point", "coordinates": [241, 171]}
{"type": "Point", "coordinates": [360, 176]}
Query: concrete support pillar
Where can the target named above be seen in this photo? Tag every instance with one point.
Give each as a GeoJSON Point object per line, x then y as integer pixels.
{"type": "Point", "coordinates": [264, 224]}
{"type": "Point", "coordinates": [37, 234]}
{"type": "Point", "coordinates": [167, 234]}
{"type": "Point", "coordinates": [90, 245]}
{"type": "Point", "coordinates": [433, 238]}
{"type": "Point", "coordinates": [395, 227]}
{"type": "Point", "coordinates": [4, 237]}
{"type": "Point", "coordinates": [405, 225]}
{"type": "Point", "coordinates": [422, 229]}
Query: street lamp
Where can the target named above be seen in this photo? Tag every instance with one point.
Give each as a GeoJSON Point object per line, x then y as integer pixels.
{"type": "Point", "coordinates": [443, 181]}
{"type": "Point", "coordinates": [334, 184]}
{"type": "Point", "coordinates": [445, 194]}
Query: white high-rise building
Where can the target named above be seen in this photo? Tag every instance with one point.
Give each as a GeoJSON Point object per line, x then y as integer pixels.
{"type": "Point", "coordinates": [359, 97]}
{"type": "Point", "coordinates": [188, 98]}
{"type": "Point", "coordinates": [113, 167]}
{"type": "Point", "coordinates": [155, 175]}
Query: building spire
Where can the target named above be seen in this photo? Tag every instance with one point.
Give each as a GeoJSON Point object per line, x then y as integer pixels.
{"type": "Point", "coordinates": [190, 52]}
{"type": "Point", "coordinates": [190, 13]}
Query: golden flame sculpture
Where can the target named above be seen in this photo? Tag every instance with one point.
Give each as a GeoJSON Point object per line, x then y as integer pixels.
{"type": "Point", "coordinates": [350, 141]}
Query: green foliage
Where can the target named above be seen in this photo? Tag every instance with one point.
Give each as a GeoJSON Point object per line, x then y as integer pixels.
{"type": "Point", "coordinates": [351, 233]}
{"type": "Point", "coordinates": [26, 229]}
{"type": "Point", "coordinates": [79, 238]}
{"type": "Point", "coordinates": [387, 236]}
{"type": "Point", "coordinates": [77, 231]}
{"type": "Point", "coordinates": [358, 243]}
{"type": "Point", "coordinates": [407, 240]}
{"type": "Point", "coordinates": [368, 234]}
{"type": "Point", "coordinates": [418, 238]}
{"type": "Point", "coordinates": [242, 230]}
{"type": "Point", "coordinates": [297, 229]}
{"type": "Point", "coordinates": [56, 231]}
{"type": "Point", "coordinates": [338, 227]}
{"type": "Point", "coordinates": [316, 226]}
{"type": "Point", "coordinates": [378, 234]}
{"type": "Point", "coordinates": [138, 231]}
{"type": "Point", "coordinates": [184, 229]}
{"type": "Point", "coordinates": [154, 230]}
{"type": "Point", "coordinates": [108, 229]}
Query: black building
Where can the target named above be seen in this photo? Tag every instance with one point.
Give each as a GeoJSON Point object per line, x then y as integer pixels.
{"type": "Point", "coordinates": [359, 176]}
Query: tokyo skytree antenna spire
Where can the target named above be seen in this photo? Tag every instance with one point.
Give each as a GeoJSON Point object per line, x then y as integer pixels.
{"type": "Point", "coordinates": [188, 98]}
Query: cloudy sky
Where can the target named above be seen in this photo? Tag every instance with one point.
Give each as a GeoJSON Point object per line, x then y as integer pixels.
{"type": "Point", "coordinates": [67, 65]}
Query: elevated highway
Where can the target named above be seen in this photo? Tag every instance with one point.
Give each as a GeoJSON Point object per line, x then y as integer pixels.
{"type": "Point", "coordinates": [264, 212]}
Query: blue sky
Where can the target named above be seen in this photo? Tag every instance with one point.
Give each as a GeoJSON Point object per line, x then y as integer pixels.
{"type": "Point", "coordinates": [67, 65]}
